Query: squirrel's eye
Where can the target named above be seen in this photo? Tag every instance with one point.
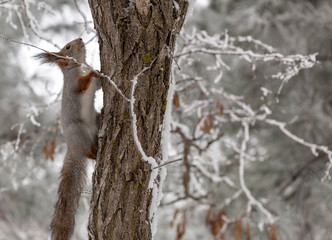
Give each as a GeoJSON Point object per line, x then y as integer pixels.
{"type": "Point", "coordinates": [68, 47]}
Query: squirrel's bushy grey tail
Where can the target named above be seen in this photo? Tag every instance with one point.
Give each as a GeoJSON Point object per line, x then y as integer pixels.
{"type": "Point", "coordinates": [73, 176]}
{"type": "Point", "coordinates": [46, 57]}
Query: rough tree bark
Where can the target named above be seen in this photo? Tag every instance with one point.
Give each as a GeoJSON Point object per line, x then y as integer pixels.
{"type": "Point", "coordinates": [132, 35]}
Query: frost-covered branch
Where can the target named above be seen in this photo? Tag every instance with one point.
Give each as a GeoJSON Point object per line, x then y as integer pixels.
{"type": "Point", "coordinates": [86, 23]}
{"type": "Point", "coordinates": [245, 189]}
{"type": "Point", "coordinates": [150, 160]}
{"type": "Point", "coordinates": [28, 20]}
{"type": "Point", "coordinates": [208, 109]}
{"type": "Point", "coordinates": [33, 24]}
{"type": "Point", "coordinates": [22, 43]}
{"type": "Point", "coordinates": [223, 45]}
{"type": "Point", "coordinates": [156, 190]}
{"type": "Point", "coordinates": [314, 147]}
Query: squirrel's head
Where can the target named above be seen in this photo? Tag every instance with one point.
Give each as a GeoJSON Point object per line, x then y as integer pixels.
{"type": "Point", "coordinates": [74, 49]}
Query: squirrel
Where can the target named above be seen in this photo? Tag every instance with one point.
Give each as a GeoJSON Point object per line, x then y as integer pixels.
{"type": "Point", "coordinates": [80, 123]}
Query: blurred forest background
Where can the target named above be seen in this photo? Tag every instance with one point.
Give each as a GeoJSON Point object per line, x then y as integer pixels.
{"type": "Point", "coordinates": [251, 128]}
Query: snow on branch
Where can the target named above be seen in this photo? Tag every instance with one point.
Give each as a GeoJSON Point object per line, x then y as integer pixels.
{"type": "Point", "coordinates": [224, 45]}
{"type": "Point", "coordinates": [245, 189]}
{"type": "Point", "coordinates": [247, 113]}
{"type": "Point", "coordinates": [313, 147]}
{"type": "Point", "coordinates": [150, 160]}
{"type": "Point", "coordinates": [33, 24]}
{"type": "Point", "coordinates": [29, 23]}
{"type": "Point", "coordinates": [206, 107]}
{"type": "Point", "coordinates": [156, 169]}
{"type": "Point", "coordinates": [153, 163]}
{"type": "Point", "coordinates": [86, 23]}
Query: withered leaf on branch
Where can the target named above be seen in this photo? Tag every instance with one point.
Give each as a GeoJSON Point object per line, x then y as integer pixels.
{"type": "Point", "coordinates": [174, 216]}
{"type": "Point", "coordinates": [48, 150]}
{"type": "Point", "coordinates": [176, 100]}
{"type": "Point", "coordinates": [248, 232]}
{"type": "Point", "coordinates": [215, 221]}
{"type": "Point", "coordinates": [220, 108]}
{"type": "Point", "coordinates": [208, 124]}
{"type": "Point", "coordinates": [179, 221]}
{"type": "Point", "coordinates": [273, 232]}
{"type": "Point", "coordinates": [209, 217]}
{"type": "Point", "coordinates": [237, 229]}
{"type": "Point", "coordinates": [180, 230]}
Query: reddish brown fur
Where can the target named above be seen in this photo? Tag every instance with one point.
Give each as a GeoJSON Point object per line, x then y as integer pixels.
{"type": "Point", "coordinates": [70, 188]}
{"type": "Point", "coordinates": [84, 82]}
{"type": "Point", "coordinates": [62, 63]}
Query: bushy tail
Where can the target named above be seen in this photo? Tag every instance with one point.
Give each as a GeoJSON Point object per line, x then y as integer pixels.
{"type": "Point", "coordinates": [47, 57]}
{"type": "Point", "coordinates": [73, 175]}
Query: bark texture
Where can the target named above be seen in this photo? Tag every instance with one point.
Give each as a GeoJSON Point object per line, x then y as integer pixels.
{"type": "Point", "coordinates": [131, 37]}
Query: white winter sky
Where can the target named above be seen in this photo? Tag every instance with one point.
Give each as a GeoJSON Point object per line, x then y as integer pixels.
{"type": "Point", "coordinates": [202, 3]}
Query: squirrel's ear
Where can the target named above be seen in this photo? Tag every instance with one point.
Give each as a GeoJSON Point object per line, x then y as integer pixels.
{"type": "Point", "coordinates": [46, 57]}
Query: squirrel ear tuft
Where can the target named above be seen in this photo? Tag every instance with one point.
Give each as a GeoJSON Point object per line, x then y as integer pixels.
{"type": "Point", "coordinates": [46, 57]}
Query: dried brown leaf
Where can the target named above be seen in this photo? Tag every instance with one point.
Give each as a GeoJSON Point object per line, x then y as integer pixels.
{"type": "Point", "coordinates": [208, 124]}
{"type": "Point", "coordinates": [176, 100]}
{"type": "Point", "coordinates": [237, 229]}
{"type": "Point", "coordinates": [215, 221]}
{"type": "Point", "coordinates": [49, 149]}
{"type": "Point", "coordinates": [181, 226]}
{"type": "Point", "coordinates": [273, 232]}
{"type": "Point", "coordinates": [210, 120]}
{"type": "Point", "coordinates": [248, 232]}
{"type": "Point", "coordinates": [221, 216]}
{"type": "Point", "coordinates": [209, 217]}
{"type": "Point", "coordinates": [180, 230]}
{"type": "Point", "coordinates": [220, 108]}
{"type": "Point", "coordinates": [205, 127]}
{"type": "Point", "coordinates": [174, 217]}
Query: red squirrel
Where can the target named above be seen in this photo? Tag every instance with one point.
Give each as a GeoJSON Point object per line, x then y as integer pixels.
{"type": "Point", "coordinates": [80, 123]}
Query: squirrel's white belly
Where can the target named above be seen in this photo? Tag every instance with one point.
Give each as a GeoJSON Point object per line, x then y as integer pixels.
{"type": "Point", "coordinates": [88, 113]}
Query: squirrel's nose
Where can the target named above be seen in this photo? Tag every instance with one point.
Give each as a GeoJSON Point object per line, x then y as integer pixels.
{"type": "Point", "coordinates": [80, 39]}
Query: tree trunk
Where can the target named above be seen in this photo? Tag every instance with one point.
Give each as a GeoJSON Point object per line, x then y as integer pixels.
{"type": "Point", "coordinates": [132, 36]}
